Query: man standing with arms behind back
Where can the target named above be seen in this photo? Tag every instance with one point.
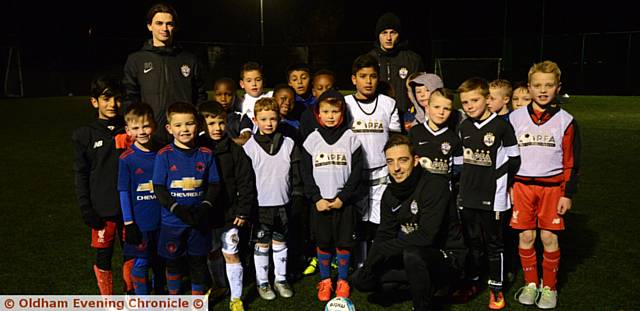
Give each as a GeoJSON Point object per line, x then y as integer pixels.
{"type": "Point", "coordinates": [396, 61]}
{"type": "Point", "coordinates": [161, 72]}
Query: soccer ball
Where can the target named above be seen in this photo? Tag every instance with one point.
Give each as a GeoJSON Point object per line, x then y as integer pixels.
{"type": "Point", "coordinates": [340, 304]}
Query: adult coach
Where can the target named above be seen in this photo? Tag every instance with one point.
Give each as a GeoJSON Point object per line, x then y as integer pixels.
{"type": "Point", "coordinates": [396, 61]}
{"type": "Point", "coordinates": [419, 240]}
{"type": "Point", "coordinates": [161, 72]}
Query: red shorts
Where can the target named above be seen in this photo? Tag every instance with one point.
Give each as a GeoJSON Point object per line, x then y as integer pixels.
{"type": "Point", "coordinates": [536, 206]}
{"type": "Point", "coordinates": [104, 237]}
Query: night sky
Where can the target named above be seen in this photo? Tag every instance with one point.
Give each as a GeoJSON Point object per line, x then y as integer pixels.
{"type": "Point", "coordinates": [56, 34]}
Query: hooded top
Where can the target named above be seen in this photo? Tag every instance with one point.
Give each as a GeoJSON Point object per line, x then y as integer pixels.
{"type": "Point", "coordinates": [160, 76]}
{"type": "Point", "coordinates": [395, 64]}
{"type": "Point", "coordinates": [332, 134]}
{"type": "Point", "coordinates": [432, 82]}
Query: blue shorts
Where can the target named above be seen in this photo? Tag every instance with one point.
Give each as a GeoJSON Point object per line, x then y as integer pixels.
{"type": "Point", "coordinates": [175, 242]}
{"type": "Point", "coordinates": [146, 249]}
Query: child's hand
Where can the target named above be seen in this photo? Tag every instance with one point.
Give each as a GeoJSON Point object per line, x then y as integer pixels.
{"type": "Point", "coordinates": [239, 222]}
{"type": "Point", "coordinates": [242, 139]}
{"type": "Point", "coordinates": [323, 205]}
{"type": "Point", "coordinates": [564, 205]}
{"type": "Point", "coordinates": [337, 203]}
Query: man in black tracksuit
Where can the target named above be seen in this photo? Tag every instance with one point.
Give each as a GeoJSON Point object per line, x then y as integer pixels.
{"type": "Point", "coordinates": [161, 72]}
{"type": "Point", "coordinates": [419, 240]}
{"type": "Point", "coordinates": [396, 61]}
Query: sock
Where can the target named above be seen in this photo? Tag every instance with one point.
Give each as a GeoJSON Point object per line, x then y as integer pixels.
{"type": "Point", "coordinates": [550, 263]}
{"type": "Point", "coordinates": [139, 276]}
{"type": "Point", "coordinates": [361, 254]}
{"type": "Point", "coordinates": [215, 263]}
{"type": "Point", "coordinates": [174, 282]}
{"type": "Point", "coordinates": [324, 260]}
{"type": "Point", "coordinates": [127, 266]}
{"type": "Point", "coordinates": [197, 289]}
{"type": "Point", "coordinates": [261, 261]}
{"type": "Point", "coordinates": [343, 256]}
{"type": "Point", "coordinates": [105, 281]}
{"type": "Point", "coordinates": [529, 265]}
{"type": "Point", "coordinates": [159, 278]}
{"type": "Point", "coordinates": [280, 261]}
{"type": "Point", "coordinates": [234, 275]}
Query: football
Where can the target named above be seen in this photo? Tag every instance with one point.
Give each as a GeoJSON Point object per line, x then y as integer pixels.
{"type": "Point", "coordinates": [339, 304]}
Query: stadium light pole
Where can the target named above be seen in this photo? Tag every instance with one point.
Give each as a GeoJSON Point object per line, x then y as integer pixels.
{"type": "Point", "coordinates": [542, 32]}
{"type": "Point", "coordinates": [261, 23]}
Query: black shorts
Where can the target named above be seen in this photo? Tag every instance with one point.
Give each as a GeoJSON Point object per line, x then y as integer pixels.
{"type": "Point", "coordinates": [273, 224]}
{"type": "Point", "coordinates": [334, 228]}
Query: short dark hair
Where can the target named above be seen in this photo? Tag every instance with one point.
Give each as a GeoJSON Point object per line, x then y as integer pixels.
{"type": "Point", "coordinates": [365, 61]}
{"type": "Point", "coordinates": [325, 72]}
{"type": "Point", "coordinates": [139, 110]}
{"type": "Point", "coordinates": [399, 140]}
{"type": "Point", "coordinates": [249, 66]}
{"type": "Point", "coordinates": [212, 108]}
{"type": "Point", "coordinates": [300, 67]}
{"type": "Point", "coordinates": [108, 86]}
{"type": "Point", "coordinates": [283, 86]}
{"type": "Point", "coordinates": [225, 80]}
{"type": "Point", "coordinates": [161, 8]}
{"type": "Point", "coordinates": [181, 107]}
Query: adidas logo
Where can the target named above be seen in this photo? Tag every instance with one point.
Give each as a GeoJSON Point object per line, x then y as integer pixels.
{"type": "Point", "coordinates": [139, 171]}
{"type": "Point", "coordinates": [173, 168]}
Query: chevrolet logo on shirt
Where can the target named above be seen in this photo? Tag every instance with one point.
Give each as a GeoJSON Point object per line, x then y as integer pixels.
{"type": "Point", "coordinates": [187, 183]}
{"type": "Point", "coordinates": [148, 186]}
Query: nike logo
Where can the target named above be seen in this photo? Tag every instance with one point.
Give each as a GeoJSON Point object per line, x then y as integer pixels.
{"type": "Point", "coordinates": [466, 137]}
{"type": "Point", "coordinates": [422, 142]}
{"type": "Point", "coordinates": [396, 209]}
{"type": "Point", "coordinates": [147, 70]}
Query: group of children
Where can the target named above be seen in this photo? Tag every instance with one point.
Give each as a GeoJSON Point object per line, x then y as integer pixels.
{"type": "Point", "coordinates": [305, 165]}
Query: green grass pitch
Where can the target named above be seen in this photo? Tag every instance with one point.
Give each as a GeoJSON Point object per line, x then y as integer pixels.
{"type": "Point", "coordinates": [45, 245]}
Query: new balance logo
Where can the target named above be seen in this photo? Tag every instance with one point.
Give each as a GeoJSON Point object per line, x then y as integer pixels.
{"type": "Point", "coordinates": [187, 183]}
{"type": "Point", "coordinates": [97, 144]}
{"type": "Point", "coordinates": [556, 221]}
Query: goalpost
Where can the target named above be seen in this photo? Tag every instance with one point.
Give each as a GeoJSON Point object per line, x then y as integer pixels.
{"type": "Point", "coordinates": [11, 66]}
{"type": "Point", "coordinates": [454, 71]}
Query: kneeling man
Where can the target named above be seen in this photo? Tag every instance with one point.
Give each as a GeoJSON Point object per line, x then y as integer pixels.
{"type": "Point", "coordinates": [419, 241]}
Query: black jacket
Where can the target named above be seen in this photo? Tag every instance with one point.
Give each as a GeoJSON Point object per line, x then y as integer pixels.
{"type": "Point", "coordinates": [434, 223]}
{"type": "Point", "coordinates": [238, 195]}
{"type": "Point", "coordinates": [160, 76]}
{"type": "Point", "coordinates": [95, 165]}
{"type": "Point", "coordinates": [395, 66]}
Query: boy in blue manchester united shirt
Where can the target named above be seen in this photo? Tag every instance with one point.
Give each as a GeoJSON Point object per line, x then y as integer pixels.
{"type": "Point", "coordinates": [186, 182]}
{"type": "Point", "coordinates": [140, 209]}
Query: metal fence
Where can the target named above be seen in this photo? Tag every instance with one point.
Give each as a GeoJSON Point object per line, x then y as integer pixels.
{"type": "Point", "coordinates": [591, 63]}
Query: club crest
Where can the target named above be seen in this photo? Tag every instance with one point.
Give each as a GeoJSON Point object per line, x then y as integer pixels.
{"type": "Point", "coordinates": [489, 139]}
{"type": "Point", "coordinates": [445, 147]}
{"type": "Point", "coordinates": [414, 207]}
{"type": "Point", "coordinates": [185, 70]}
{"type": "Point", "coordinates": [403, 72]}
